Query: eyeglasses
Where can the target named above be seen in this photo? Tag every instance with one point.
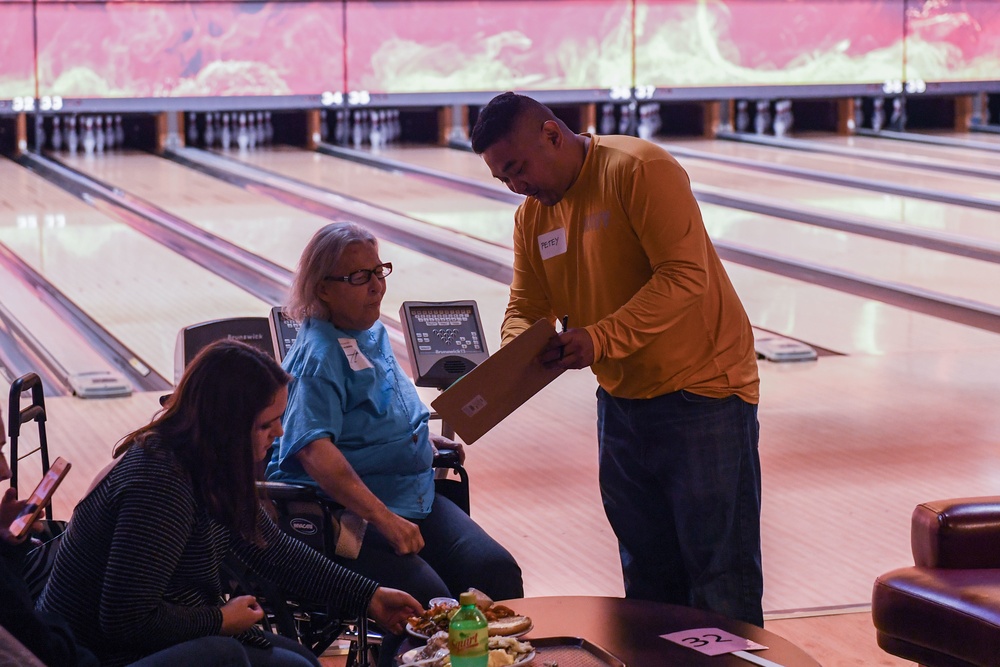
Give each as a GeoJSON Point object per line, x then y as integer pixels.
{"type": "Point", "coordinates": [362, 276]}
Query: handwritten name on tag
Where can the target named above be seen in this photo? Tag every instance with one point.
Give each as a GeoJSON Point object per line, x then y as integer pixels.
{"type": "Point", "coordinates": [355, 359]}
{"type": "Point", "coordinates": [712, 641]}
{"type": "Point", "coordinates": [552, 243]}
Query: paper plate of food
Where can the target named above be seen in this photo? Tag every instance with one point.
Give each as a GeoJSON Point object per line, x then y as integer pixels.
{"type": "Point", "coordinates": [503, 621]}
{"type": "Point", "coordinates": [504, 652]}
{"type": "Point", "coordinates": [432, 620]}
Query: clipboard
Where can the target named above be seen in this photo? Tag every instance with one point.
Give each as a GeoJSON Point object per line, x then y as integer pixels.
{"type": "Point", "coordinates": [495, 388]}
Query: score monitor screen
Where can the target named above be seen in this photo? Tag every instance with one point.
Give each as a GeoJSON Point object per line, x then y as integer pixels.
{"type": "Point", "coordinates": [445, 330]}
{"type": "Point", "coordinates": [445, 340]}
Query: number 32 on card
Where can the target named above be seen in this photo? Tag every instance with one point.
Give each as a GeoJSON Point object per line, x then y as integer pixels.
{"type": "Point", "coordinates": [712, 641]}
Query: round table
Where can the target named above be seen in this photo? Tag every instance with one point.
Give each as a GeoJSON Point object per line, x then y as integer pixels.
{"type": "Point", "coordinates": [631, 629]}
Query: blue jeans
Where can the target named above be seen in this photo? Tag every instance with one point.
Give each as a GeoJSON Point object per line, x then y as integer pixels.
{"type": "Point", "coordinates": [457, 555]}
{"type": "Point", "coordinates": [680, 481]}
{"type": "Point", "coordinates": [219, 651]}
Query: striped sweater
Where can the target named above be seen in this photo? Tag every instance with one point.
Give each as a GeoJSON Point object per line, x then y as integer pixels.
{"type": "Point", "coordinates": [138, 568]}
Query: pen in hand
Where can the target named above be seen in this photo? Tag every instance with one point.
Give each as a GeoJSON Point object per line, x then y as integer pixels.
{"type": "Point", "coordinates": [565, 328]}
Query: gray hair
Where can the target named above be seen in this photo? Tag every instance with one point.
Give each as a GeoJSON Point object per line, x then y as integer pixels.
{"type": "Point", "coordinates": [321, 254]}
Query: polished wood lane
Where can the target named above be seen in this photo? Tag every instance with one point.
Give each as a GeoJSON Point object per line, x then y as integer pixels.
{"type": "Point", "coordinates": [920, 153]}
{"type": "Point", "coordinates": [279, 232]}
{"type": "Point", "coordinates": [984, 188]}
{"type": "Point", "coordinates": [791, 307]}
{"type": "Point", "coordinates": [440, 205]}
{"type": "Point", "coordinates": [140, 291]}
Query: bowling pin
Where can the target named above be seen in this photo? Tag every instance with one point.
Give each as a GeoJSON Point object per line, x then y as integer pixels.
{"type": "Point", "coordinates": [225, 134]}
{"type": "Point", "coordinates": [859, 113]}
{"type": "Point", "coordinates": [192, 129]}
{"type": "Point", "coordinates": [242, 135]}
{"type": "Point", "coordinates": [251, 130]}
{"type": "Point", "coordinates": [762, 121]}
{"type": "Point", "coordinates": [40, 137]}
{"type": "Point", "coordinates": [340, 127]}
{"type": "Point", "coordinates": [897, 121]}
{"type": "Point", "coordinates": [109, 131]}
{"type": "Point", "coordinates": [878, 114]}
{"type": "Point", "coordinates": [72, 138]}
{"type": "Point", "coordinates": [209, 130]}
{"type": "Point", "coordinates": [357, 131]}
{"type": "Point", "coordinates": [56, 134]}
{"type": "Point", "coordinates": [608, 119]}
{"type": "Point", "coordinates": [99, 134]}
{"type": "Point", "coordinates": [375, 131]}
{"type": "Point", "coordinates": [742, 116]}
{"type": "Point", "coordinates": [89, 140]}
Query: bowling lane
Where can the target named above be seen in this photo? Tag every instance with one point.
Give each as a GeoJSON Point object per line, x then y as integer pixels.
{"type": "Point", "coordinates": [983, 188]}
{"type": "Point", "coordinates": [442, 206]}
{"type": "Point", "coordinates": [920, 153]}
{"type": "Point", "coordinates": [64, 343]}
{"type": "Point", "coordinates": [922, 214]}
{"type": "Point", "coordinates": [846, 323]}
{"type": "Point", "coordinates": [972, 137]}
{"type": "Point", "coordinates": [448, 160]}
{"type": "Point", "coordinates": [961, 220]}
{"type": "Point", "coordinates": [882, 260]}
{"type": "Point", "coordinates": [140, 291]}
{"type": "Point", "coordinates": [279, 232]}
{"type": "Point", "coordinates": [791, 239]}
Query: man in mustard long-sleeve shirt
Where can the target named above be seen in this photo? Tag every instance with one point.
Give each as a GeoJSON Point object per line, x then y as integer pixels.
{"type": "Point", "coordinates": [611, 237]}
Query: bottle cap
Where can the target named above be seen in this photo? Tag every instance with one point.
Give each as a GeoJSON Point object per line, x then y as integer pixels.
{"type": "Point", "coordinates": [467, 598]}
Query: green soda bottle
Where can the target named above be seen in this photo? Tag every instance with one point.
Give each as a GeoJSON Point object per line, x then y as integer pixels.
{"type": "Point", "coordinates": [468, 635]}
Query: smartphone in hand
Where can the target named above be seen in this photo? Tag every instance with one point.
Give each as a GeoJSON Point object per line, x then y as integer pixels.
{"type": "Point", "coordinates": [40, 497]}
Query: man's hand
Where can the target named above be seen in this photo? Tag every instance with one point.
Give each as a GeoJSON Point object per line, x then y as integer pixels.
{"type": "Point", "coordinates": [440, 442]}
{"type": "Point", "coordinates": [391, 608]}
{"type": "Point", "coordinates": [571, 349]}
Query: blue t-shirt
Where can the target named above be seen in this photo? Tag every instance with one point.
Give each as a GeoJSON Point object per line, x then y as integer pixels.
{"type": "Point", "coordinates": [347, 386]}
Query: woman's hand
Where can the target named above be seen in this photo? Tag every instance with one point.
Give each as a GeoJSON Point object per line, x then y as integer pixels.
{"type": "Point", "coordinates": [441, 442]}
{"type": "Point", "coordinates": [391, 608]}
{"type": "Point", "coordinates": [239, 614]}
{"type": "Point", "coordinates": [403, 535]}
{"type": "Point", "coordinates": [10, 507]}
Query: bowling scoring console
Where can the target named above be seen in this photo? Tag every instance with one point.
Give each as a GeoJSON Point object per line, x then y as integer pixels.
{"type": "Point", "coordinates": [444, 340]}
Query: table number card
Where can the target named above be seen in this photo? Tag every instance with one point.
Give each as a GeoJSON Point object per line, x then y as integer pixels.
{"type": "Point", "coordinates": [712, 641]}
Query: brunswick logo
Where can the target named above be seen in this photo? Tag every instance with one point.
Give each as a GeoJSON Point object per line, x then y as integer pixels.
{"type": "Point", "coordinates": [303, 526]}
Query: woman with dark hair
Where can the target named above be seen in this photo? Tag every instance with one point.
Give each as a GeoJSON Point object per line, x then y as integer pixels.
{"type": "Point", "coordinates": [356, 428]}
{"type": "Point", "coordinates": [138, 568]}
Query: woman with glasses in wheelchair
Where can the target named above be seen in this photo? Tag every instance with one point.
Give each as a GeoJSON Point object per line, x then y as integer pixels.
{"type": "Point", "coordinates": [138, 568]}
{"type": "Point", "coordinates": [355, 427]}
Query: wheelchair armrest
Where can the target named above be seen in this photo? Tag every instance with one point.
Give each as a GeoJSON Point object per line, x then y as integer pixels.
{"type": "Point", "coordinates": [447, 458]}
{"type": "Point", "coordinates": [288, 491]}
{"type": "Point", "coordinates": [957, 533]}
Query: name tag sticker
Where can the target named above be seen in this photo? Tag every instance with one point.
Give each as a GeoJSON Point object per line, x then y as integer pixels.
{"type": "Point", "coordinates": [712, 641]}
{"type": "Point", "coordinates": [552, 243]}
{"type": "Point", "coordinates": [474, 406]}
{"type": "Point", "coordinates": [355, 359]}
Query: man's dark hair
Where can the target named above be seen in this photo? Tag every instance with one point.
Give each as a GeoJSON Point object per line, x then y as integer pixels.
{"type": "Point", "coordinates": [497, 119]}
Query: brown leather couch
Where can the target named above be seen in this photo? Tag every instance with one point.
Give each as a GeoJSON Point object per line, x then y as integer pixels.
{"type": "Point", "coordinates": [945, 611]}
